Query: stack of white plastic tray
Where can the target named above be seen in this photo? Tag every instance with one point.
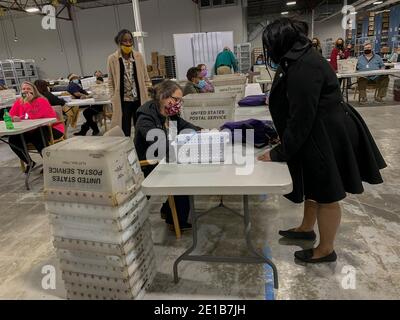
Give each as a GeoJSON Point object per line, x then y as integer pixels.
{"type": "Point", "coordinates": [99, 218]}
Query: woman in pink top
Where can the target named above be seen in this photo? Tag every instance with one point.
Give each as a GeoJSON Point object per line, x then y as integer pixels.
{"type": "Point", "coordinates": [31, 106]}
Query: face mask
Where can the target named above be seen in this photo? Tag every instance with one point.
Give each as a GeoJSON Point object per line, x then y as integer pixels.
{"type": "Point", "coordinates": [259, 62]}
{"type": "Point", "coordinates": [201, 84]}
{"type": "Point", "coordinates": [368, 51]}
{"type": "Point", "coordinates": [125, 49]}
{"type": "Point", "coordinates": [173, 109]}
{"type": "Point", "coordinates": [339, 45]}
{"type": "Point", "coordinates": [314, 44]}
{"type": "Point", "coordinates": [75, 81]}
{"type": "Point", "coordinates": [203, 73]}
{"type": "Point", "coordinates": [274, 66]}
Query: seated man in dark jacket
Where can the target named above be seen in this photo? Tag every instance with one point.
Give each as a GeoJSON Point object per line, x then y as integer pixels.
{"type": "Point", "coordinates": [76, 90]}
{"type": "Point", "coordinates": [161, 113]}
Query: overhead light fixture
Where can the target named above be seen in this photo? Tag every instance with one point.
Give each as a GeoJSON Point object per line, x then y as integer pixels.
{"type": "Point", "coordinates": [285, 12]}
{"type": "Point", "coordinates": [32, 10]}
{"type": "Point", "coordinates": [291, 3]}
{"type": "Point", "coordinates": [353, 12]}
{"type": "Point", "coordinates": [378, 2]}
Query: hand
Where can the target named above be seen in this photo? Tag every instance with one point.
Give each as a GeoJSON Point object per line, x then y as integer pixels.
{"type": "Point", "coordinates": [264, 157]}
{"type": "Point", "coordinates": [16, 119]}
{"type": "Point", "coordinates": [83, 96]}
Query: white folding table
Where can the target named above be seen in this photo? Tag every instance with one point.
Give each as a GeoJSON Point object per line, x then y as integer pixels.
{"type": "Point", "coordinates": [220, 179]}
{"type": "Point", "coordinates": [382, 72]}
{"type": "Point", "coordinates": [19, 129]}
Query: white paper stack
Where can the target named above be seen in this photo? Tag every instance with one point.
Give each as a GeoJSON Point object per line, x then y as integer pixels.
{"type": "Point", "coordinates": [99, 217]}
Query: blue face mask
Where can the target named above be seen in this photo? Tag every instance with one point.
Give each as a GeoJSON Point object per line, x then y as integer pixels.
{"type": "Point", "coordinates": [273, 66]}
{"type": "Point", "coordinates": [259, 62]}
{"type": "Point", "coordinates": [201, 84]}
{"type": "Point", "coordinates": [75, 81]}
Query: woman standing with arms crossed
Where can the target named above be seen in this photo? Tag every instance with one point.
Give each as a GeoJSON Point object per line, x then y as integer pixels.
{"type": "Point", "coordinates": [128, 82]}
{"type": "Point", "coordinates": [325, 142]}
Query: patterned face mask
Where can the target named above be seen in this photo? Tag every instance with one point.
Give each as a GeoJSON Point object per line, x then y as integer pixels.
{"type": "Point", "coordinates": [173, 109]}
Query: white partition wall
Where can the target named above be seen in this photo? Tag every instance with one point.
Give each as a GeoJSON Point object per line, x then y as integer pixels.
{"type": "Point", "coordinates": [192, 49]}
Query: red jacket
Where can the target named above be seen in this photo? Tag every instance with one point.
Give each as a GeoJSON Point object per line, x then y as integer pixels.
{"type": "Point", "coordinates": [37, 109]}
{"type": "Point", "coordinates": [335, 53]}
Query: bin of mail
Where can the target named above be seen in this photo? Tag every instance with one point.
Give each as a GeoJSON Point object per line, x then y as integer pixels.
{"type": "Point", "coordinates": [347, 65]}
{"type": "Point", "coordinates": [209, 110]}
{"type": "Point", "coordinates": [230, 84]}
{"type": "Point", "coordinates": [97, 170]}
{"type": "Point", "coordinates": [204, 147]}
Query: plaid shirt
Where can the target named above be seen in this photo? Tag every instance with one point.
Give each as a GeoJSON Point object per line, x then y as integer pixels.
{"type": "Point", "coordinates": [130, 88]}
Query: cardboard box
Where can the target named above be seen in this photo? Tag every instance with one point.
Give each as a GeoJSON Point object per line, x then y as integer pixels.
{"type": "Point", "coordinates": [161, 61]}
{"type": "Point", "coordinates": [149, 68]}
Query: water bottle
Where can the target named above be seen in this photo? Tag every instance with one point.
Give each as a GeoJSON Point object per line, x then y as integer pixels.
{"type": "Point", "coordinates": [8, 121]}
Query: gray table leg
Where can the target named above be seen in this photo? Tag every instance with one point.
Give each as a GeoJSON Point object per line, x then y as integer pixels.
{"type": "Point", "coordinates": [247, 226]}
{"type": "Point", "coordinates": [255, 257]}
{"type": "Point", "coordinates": [43, 137]}
{"type": "Point", "coordinates": [29, 161]}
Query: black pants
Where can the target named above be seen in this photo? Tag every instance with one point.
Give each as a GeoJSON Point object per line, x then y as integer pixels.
{"type": "Point", "coordinates": [33, 137]}
{"type": "Point", "coordinates": [182, 204]}
{"type": "Point", "coordinates": [128, 112]}
{"type": "Point", "coordinates": [89, 114]}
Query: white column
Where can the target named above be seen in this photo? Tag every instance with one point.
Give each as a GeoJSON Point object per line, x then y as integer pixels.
{"type": "Point", "coordinates": [138, 28]}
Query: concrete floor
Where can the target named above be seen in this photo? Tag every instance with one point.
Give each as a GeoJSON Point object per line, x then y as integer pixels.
{"type": "Point", "coordinates": [367, 243]}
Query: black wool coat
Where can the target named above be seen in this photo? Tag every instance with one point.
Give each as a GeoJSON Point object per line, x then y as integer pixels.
{"type": "Point", "coordinates": [325, 142]}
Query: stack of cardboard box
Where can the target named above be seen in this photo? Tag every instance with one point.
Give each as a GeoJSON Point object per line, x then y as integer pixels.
{"type": "Point", "coordinates": [157, 67]}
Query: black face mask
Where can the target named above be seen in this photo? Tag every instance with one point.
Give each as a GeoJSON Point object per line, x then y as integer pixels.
{"type": "Point", "coordinates": [314, 44]}
{"type": "Point", "coordinates": [340, 45]}
{"type": "Point", "coordinates": [367, 51]}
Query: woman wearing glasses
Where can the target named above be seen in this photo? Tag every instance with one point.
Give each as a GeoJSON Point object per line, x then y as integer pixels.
{"type": "Point", "coordinates": [156, 117]}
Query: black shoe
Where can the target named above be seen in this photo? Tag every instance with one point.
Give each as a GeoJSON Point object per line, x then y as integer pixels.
{"type": "Point", "coordinates": [306, 256]}
{"type": "Point", "coordinates": [30, 167]}
{"type": "Point", "coordinates": [80, 133]}
{"type": "Point", "coordinates": [95, 133]}
{"type": "Point", "coordinates": [291, 234]}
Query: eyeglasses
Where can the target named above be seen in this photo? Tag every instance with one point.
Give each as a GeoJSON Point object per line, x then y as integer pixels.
{"type": "Point", "coordinates": [176, 99]}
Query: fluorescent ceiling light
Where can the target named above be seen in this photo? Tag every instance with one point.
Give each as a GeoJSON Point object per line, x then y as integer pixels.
{"type": "Point", "coordinates": [32, 10]}
{"type": "Point", "coordinates": [378, 2]}
{"type": "Point", "coordinates": [291, 3]}
{"type": "Point", "coordinates": [353, 13]}
{"type": "Point", "coordinates": [285, 12]}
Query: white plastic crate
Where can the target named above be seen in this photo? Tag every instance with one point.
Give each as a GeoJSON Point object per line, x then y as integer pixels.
{"type": "Point", "coordinates": [107, 270]}
{"type": "Point", "coordinates": [7, 96]}
{"type": "Point", "coordinates": [100, 92]}
{"type": "Point", "coordinates": [204, 147]}
{"type": "Point", "coordinates": [94, 211]}
{"type": "Point", "coordinates": [97, 170]}
{"type": "Point", "coordinates": [83, 232]}
{"type": "Point", "coordinates": [230, 83]}
{"type": "Point", "coordinates": [102, 247]}
{"type": "Point", "coordinates": [106, 291]}
{"type": "Point", "coordinates": [103, 259]}
{"type": "Point", "coordinates": [347, 65]}
{"type": "Point", "coordinates": [209, 110]}
{"type": "Point", "coordinates": [104, 224]}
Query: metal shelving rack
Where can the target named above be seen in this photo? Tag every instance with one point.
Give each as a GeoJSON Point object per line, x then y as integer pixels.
{"type": "Point", "coordinates": [16, 71]}
{"type": "Point", "coordinates": [243, 56]}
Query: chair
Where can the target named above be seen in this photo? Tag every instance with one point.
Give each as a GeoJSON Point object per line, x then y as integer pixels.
{"type": "Point", "coordinates": [171, 200]}
{"type": "Point", "coordinates": [60, 119]}
{"type": "Point", "coordinates": [369, 86]}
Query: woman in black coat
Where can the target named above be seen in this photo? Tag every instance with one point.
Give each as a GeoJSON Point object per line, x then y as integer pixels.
{"type": "Point", "coordinates": [325, 142]}
{"type": "Point", "coordinates": [160, 114]}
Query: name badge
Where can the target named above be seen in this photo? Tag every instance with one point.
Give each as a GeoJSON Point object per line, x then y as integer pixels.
{"type": "Point", "coordinates": [367, 66]}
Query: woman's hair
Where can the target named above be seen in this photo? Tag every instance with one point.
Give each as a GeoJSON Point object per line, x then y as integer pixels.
{"type": "Point", "coordinates": [42, 86]}
{"type": "Point", "coordinates": [192, 73]}
{"type": "Point", "coordinates": [336, 43]}
{"type": "Point", "coordinates": [280, 36]}
{"type": "Point", "coordinates": [318, 42]}
{"type": "Point", "coordinates": [199, 66]}
{"type": "Point", "coordinates": [36, 93]}
{"type": "Point", "coordinates": [163, 90]}
{"type": "Point", "coordinates": [120, 35]}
